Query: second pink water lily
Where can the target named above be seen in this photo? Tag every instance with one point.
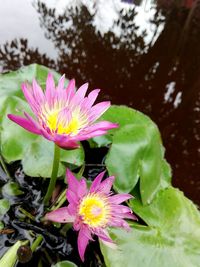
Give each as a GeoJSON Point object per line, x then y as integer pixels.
{"type": "Point", "coordinates": [93, 210]}
{"type": "Point", "coordinates": [63, 115]}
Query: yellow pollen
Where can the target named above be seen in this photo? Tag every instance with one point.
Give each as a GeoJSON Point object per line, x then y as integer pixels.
{"type": "Point", "coordinates": [94, 210]}
{"type": "Point", "coordinates": [62, 127]}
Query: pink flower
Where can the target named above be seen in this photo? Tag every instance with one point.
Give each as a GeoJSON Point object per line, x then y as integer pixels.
{"type": "Point", "coordinates": [92, 211]}
{"type": "Point", "coordinates": [63, 115]}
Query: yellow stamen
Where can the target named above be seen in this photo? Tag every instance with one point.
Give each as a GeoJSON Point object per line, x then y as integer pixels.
{"type": "Point", "coordinates": [94, 210]}
{"type": "Point", "coordinates": [72, 127]}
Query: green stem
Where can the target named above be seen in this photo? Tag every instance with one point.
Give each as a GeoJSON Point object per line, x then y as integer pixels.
{"type": "Point", "coordinates": [59, 201]}
{"type": "Point", "coordinates": [27, 214]}
{"type": "Point", "coordinates": [54, 174]}
{"type": "Point", "coordinates": [36, 243]}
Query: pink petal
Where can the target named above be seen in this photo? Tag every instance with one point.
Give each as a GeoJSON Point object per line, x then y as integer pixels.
{"type": "Point", "coordinates": [46, 134]}
{"type": "Point", "coordinates": [25, 123]}
{"type": "Point", "coordinates": [130, 216]}
{"type": "Point", "coordinates": [70, 90]}
{"type": "Point", "coordinates": [72, 181]}
{"type": "Point", "coordinates": [102, 125]}
{"type": "Point", "coordinates": [82, 137]}
{"type": "Point", "coordinates": [60, 86]}
{"type": "Point", "coordinates": [35, 123]}
{"type": "Point", "coordinates": [106, 185]}
{"type": "Point", "coordinates": [103, 235]}
{"type": "Point", "coordinates": [118, 222]}
{"type": "Point", "coordinates": [77, 224]}
{"type": "Point", "coordinates": [78, 187]}
{"type": "Point", "coordinates": [72, 209]}
{"type": "Point", "coordinates": [64, 116]}
{"type": "Point", "coordinates": [64, 142]}
{"type": "Point", "coordinates": [82, 189]}
{"type": "Point", "coordinates": [92, 97]}
{"type": "Point", "coordinates": [50, 89]}
{"type": "Point", "coordinates": [120, 208]}
{"type": "Point", "coordinates": [97, 181]}
{"type": "Point", "coordinates": [121, 211]}
{"type": "Point", "coordinates": [82, 91]}
{"type": "Point", "coordinates": [119, 198]}
{"type": "Point", "coordinates": [60, 215]}
{"type": "Point", "coordinates": [97, 110]}
{"type": "Point", "coordinates": [72, 197]}
{"type": "Point", "coordinates": [37, 92]}
{"type": "Point", "coordinates": [27, 90]}
{"type": "Point", "coordinates": [82, 242]}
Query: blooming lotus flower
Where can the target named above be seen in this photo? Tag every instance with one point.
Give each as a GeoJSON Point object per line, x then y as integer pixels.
{"type": "Point", "coordinates": [63, 115]}
{"type": "Point", "coordinates": [92, 211]}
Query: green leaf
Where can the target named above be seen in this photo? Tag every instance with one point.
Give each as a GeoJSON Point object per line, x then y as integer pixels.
{"type": "Point", "coordinates": [65, 264]}
{"type": "Point", "coordinates": [38, 159]}
{"type": "Point", "coordinates": [122, 115]}
{"type": "Point", "coordinates": [10, 257]}
{"type": "Point", "coordinates": [12, 189]}
{"type": "Point", "coordinates": [4, 206]}
{"type": "Point", "coordinates": [35, 152]}
{"type": "Point", "coordinates": [137, 152]}
{"type": "Point", "coordinates": [172, 237]}
{"type": "Point", "coordinates": [14, 139]}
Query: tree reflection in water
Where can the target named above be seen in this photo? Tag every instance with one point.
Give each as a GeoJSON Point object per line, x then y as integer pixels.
{"type": "Point", "coordinates": [161, 78]}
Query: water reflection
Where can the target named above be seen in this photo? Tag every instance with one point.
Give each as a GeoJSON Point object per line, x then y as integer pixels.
{"type": "Point", "coordinates": [18, 53]}
{"type": "Point", "coordinates": [160, 77]}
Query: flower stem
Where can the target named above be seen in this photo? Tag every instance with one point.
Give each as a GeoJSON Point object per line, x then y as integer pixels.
{"type": "Point", "coordinates": [54, 174]}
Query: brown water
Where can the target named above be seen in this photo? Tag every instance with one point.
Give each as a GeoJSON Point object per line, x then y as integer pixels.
{"type": "Point", "coordinates": [159, 76]}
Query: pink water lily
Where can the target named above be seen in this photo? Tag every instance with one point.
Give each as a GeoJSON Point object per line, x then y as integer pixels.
{"type": "Point", "coordinates": [92, 210]}
{"type": "Point", "coordinates": [63, 115]}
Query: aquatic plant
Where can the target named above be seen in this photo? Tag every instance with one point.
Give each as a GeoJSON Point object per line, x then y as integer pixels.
{"type": "Point", "coordinates": [92, 211]}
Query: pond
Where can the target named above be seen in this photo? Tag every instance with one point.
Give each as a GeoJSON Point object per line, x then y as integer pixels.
{"type": "Point", "coordinates": [145, 55]}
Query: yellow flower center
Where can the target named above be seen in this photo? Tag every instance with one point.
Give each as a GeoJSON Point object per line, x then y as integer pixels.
{"type": "Point", "coordinates": [71, 128]}
{"type": "Point", "coordinates": [94, 210]}
{"type": "Point", "coordinates": [62, 126]}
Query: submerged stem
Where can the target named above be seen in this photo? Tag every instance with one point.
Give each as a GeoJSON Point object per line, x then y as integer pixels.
{"type": "Point", "coordinates": [27, 214]}
{"type": "Point", "coordinates": [54, 174]}
{"type": "Point", "coordinates": [36, 243]}
{"type": "Point", "coordinates": [61, 199]}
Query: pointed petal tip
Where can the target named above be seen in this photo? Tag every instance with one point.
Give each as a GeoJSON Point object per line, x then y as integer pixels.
{"type": "Point", "coordinates": [10, 116]}
{"type": "Point", "coordinates": [112, 245]}
{"type": "Point", "coordinates": [115, 125]}
{"type": "Point", "coordinates": [50, 75]}
{"type": "Point", "coordinates": [82, 243]}
{"type": "Point", "coordinates": [72, 81]}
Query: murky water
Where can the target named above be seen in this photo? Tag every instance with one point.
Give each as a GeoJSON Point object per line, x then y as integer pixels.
{"type": "Point", "coordinates": [145, 56]}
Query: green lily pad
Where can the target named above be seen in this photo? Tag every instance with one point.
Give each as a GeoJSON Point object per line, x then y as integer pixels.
{"type": "Point", "coordinates": [122, 115]}
{"type": "Point", "coordinates": [38, 159]}
{"type": "Point", "coordinates": [137, 153]}
{"type": "Point", "coordinates": [171, 238]}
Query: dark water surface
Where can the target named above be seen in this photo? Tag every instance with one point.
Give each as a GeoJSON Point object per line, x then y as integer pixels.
{"type": "Point", "coordinates": [156, 71]}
